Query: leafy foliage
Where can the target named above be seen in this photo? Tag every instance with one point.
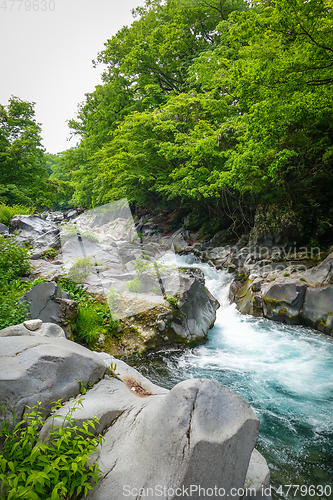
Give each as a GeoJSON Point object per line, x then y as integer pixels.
{"type": "Point", "coordinates": [214, 108]}
{"type": "Point", "coordinates": [24, 180]}
{"type": "Point", "coordinates": [11, 312]}
{"type": "Point", "coordinates": [14, 259]}
{"type": "Point", "coordinates": [7, 213]}
{"type": "Point", "coordinates": [50, 470]}
{"type": "Point", "coordinates": [94, 317]}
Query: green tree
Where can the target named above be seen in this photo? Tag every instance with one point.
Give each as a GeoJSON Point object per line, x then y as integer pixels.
{"type": "Point", "coordinates": [23, 179]}
{"type": "Point", "coordinates": [146, 64]}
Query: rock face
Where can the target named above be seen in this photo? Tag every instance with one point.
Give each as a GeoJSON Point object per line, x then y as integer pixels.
{"type": "Point", "coordinates": [187, 318]}
{"type": "Point", "coordinates": [317, 309]}
{"type": "Point", "coordinates": [299, 299]}
{"type": "Point", "coordinates": [43, 369]}
{"type": "Point", "coordinates": [156, 305]}
{"type": "Point", "coordinates": [50, 304]}
{"type": "Point", "coordinates": [199, 434]}
{"type": "Point", "coordinates": [42, 235]}
{"type": "Point", "coordinates": [283, 300]}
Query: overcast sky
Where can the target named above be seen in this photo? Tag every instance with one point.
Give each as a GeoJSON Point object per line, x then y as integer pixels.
{"type": "Point", "coordinates": [46, 56]}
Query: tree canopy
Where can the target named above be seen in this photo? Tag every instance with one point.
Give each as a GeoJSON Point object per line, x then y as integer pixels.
{"type": "Point", "coordinates": [216, 108]}
{"type": "Point", "coordinates": [24, 173]}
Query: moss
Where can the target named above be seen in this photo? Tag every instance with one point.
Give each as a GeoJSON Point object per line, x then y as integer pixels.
{"type": "Point", "coordinates": [243, 291]}
{"type": "Point", "coordinates": [271, 302]}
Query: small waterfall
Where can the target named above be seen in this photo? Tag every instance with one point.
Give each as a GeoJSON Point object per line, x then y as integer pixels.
{"type": "Point", "coordinates": [284, 372]}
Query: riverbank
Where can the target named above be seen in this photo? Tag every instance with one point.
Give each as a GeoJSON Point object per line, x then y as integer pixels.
{"type": "Point", "coordinates": [285, 373]}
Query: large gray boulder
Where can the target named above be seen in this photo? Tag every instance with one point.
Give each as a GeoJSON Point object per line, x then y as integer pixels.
{"type": "Point", "coordinates": [199, 434]}
{"type": "Point", "coordinates": [219, 256]}
{"type": "Point", "coordinates": [43, 369]}
{"type": "Point", "coordinates": [42, 235]}
{"type": "Point", "coordinates": [50, 304]}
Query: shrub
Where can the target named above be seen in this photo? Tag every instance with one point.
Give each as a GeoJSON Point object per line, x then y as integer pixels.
{"type": "Point", "coordinates": [14, 259]}
{"type": "Point", "coordinates": [80, 269]}
{"type": "Point", "coordinates": [54, 469]}
{"type": "Point", "coordinates": [76, 291]}
{"type": "Point", "coordinates": [173, 300]}
{"type": "Point", "coordinates": [11, 312]}
{"type": "Point", "coordinates": [14, 262]}
{"type": "Point", "coordinates": [7, 213]}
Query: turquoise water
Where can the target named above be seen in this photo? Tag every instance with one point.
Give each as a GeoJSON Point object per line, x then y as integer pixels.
{"type": "Point", "coordinates": [284, 372]}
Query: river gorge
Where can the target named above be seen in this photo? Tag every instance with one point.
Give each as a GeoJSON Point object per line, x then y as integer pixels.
{"type": "Point", "coordinates": [284, 372]}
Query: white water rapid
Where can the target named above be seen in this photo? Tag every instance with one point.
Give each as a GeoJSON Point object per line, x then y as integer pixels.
{"type": "Point", "coordinates": [284, 372]}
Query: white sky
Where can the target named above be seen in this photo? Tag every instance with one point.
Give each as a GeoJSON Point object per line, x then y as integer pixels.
{"type": "Point", "coordinates": [46, 57]}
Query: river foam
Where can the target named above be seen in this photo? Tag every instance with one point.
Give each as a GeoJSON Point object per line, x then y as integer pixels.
{"type": "Point", "coordinates": [284, 372]}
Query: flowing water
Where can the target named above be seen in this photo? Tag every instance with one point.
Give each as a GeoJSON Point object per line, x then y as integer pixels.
{"type": "Point", "coordinates": [284, 372]}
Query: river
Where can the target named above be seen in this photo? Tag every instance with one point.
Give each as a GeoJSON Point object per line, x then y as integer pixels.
{"type": "Point", "coordinates": [284, 372]}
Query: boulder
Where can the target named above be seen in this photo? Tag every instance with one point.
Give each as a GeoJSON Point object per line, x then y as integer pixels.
{"type": "Point", "coordinates": [4, 229]}
{"type": "Point", "coordinates": [247, 297]}
{"type": "Point", "coordinates": [199, 434]}
{"type": "Point", "coordinates": [72, 214]}
{"type": "Point", "coordinates": [150, 322]}
{"type": "Point", "coordinates": [50, 304]}
{"type": "Point", "coordinates": [317, 310]}
{"type": "Point", "coordinates": [322, 274]}
{"type": "Point", "coordinates": [283, 300]}
{"type": "Point", "coordinates": [41, 268]}
{"type": "Point", "coordinates": [56, 217]}
{"type": "Point", "coordinates": [220, 256]}
{"type": "Point", "coordinates": [289, 299]}
{"type": "Point", "coordinates": [179, 240]}
{"type": "Point", "coordinates": [44, 330]}
{"type": "Point", "coordinates": [42, 235]}
{"type": "Point", "coordinates": [257, 483]}
{"type": "Point", "coordinates": [43, 369]}
{"type": "Point", "coordinates": [33, 324]}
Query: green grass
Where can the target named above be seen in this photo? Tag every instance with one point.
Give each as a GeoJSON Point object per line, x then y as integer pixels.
{"type": "Point", "coordinates": [94, 317]}
{"type": "Point", "coordinates": [88, 326]}
{"type": "Point", "coordinates": [7, 213]}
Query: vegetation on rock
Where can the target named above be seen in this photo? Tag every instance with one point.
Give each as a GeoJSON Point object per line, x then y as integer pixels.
{"type": "Point", "coordinates": [55, 468]}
